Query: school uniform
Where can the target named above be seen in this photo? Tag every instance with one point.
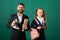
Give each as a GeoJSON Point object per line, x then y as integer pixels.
{"type": "Point", "coordinates": [35, 25]}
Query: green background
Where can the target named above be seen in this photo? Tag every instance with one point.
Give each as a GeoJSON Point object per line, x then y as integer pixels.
{"type": "Point", "coordinates": [52, 10]}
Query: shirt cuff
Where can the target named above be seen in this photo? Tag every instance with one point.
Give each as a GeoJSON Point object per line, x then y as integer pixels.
{"type": "Point", "coordinates": [15, 27]}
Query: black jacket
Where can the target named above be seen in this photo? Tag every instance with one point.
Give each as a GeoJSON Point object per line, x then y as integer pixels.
{"type": "Point", "coordinates": [41, 32]}
{"type": "Point", "coordinates": [17, 34]}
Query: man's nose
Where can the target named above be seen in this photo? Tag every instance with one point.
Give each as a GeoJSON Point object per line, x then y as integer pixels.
{"type": "Point", "coordinates": [20, 8]}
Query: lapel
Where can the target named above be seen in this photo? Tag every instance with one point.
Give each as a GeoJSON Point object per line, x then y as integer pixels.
{"type": "Point", "coordinates": [38, 21]}
{"type": "Point", "coordinates": [22, 19]}
{"type": "Point", "coordinates": [16, 17]}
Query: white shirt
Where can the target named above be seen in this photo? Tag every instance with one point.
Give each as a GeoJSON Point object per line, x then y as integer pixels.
{"type": "Point", "coordinates": [41, 20]}
{"type": "Point", "coordinates": [20, 18]}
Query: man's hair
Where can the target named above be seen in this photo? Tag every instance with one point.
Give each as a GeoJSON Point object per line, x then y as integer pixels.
{"type": "Point", "coordinates": [21, 4]}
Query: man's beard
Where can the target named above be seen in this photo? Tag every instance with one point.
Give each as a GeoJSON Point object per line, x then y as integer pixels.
{"type": "Point", "coordinates": [20, 11]}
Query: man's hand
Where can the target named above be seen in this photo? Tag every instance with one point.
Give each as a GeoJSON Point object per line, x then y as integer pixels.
{"type": "Point", "coordinates": [23, 27]}
{"type": "Point", "coordinates": [13, 23]}
{"type": "Point", "coordinates": [39, 27]}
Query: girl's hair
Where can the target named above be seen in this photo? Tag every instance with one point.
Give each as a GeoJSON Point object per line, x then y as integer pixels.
{"type": "Point", "coordinates": [43, 13]}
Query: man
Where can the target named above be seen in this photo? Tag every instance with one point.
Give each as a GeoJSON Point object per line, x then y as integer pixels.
{"type": "Point", "coordinates": [16, 23]}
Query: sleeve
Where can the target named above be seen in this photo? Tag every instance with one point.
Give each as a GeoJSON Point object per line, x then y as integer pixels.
{"type": "Point", "coordinates": [10, 21]}
{"type": "Point", "coordinates": [34, 24]}
{"type": "Point", "coordinates": [28, 26]}
{"type": "Point", "coordinates": [44, 26]}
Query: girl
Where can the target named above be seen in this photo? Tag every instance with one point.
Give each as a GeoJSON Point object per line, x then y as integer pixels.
{"type": "Point", "coordinates": [39, 23]}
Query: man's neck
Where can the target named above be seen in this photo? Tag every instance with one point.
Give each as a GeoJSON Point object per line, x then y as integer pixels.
{"type": "Point", "coordinates": [20, 14]}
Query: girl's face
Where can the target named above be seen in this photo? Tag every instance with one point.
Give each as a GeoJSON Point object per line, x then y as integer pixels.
{"type": "Point", "coordinates": [39, 13]}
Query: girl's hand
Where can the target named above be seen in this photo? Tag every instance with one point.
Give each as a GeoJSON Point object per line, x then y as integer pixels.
{"type": "Point", "coordinates": [39, 27]}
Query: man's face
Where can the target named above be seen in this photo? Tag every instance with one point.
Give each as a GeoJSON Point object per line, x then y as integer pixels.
{"type": "Point", "coordinates": [20, 8]}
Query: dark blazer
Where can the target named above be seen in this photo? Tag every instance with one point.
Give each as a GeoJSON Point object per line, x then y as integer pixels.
{"type": "Point", "coordinates": [17, 34]}
{"type": "Point", "coordinates": [41, 32]}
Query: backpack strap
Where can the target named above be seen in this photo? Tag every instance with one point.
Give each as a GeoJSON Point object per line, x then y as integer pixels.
{"type": "Point", "coordinates": [36, 21]}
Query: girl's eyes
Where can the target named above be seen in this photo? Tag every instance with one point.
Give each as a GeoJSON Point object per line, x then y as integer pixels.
{"type": "Point", "coordinates": [40, 12]}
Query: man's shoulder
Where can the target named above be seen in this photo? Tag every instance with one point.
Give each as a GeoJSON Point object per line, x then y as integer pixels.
{"type": "Point", "coordinates": [25, 16]}
{"type": "Point", "coordinates": [13, 14]}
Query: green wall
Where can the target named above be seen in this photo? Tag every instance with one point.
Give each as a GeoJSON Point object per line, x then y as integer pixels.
{"type": "Point", "coordinates": [52, 10]}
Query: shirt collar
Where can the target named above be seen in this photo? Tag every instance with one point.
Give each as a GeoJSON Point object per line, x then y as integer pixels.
{"type": "Point", "coordinates": [39, 18]}
{"type": "Point", "coordinates": [19, 15]}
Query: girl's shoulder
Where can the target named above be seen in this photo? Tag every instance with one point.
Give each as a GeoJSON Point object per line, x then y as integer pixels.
{"type": "Point", "coordinates": [35, 21]}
